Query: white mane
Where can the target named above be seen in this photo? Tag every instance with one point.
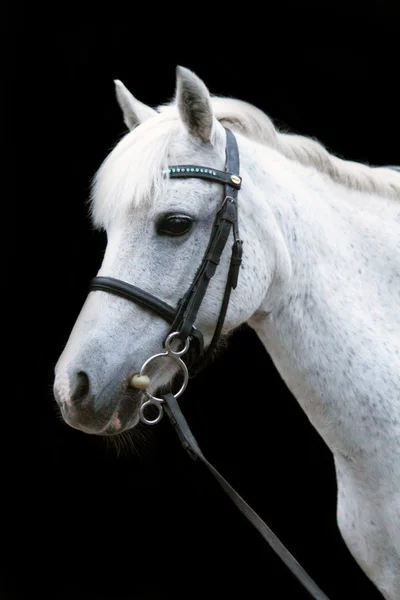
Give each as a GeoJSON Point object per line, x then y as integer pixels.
{"type": "Point", "coordinates": [133, 172]}
{"type": "Point", "coordinates": [254, 124]}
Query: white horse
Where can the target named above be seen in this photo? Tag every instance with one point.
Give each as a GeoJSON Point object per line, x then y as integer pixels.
{"type": "Point", "coordinates": [320, 285]}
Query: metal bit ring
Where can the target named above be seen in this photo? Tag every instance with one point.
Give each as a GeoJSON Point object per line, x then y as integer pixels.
{"type": "Point", "coordinates": [145, 405]}
{"type": "Point", "coordinates": [154, 400]}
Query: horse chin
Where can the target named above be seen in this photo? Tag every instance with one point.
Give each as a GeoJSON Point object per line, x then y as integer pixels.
{"type": "Point", "coordinates": [117, 426]}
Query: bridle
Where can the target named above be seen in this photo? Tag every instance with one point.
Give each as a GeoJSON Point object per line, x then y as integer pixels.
{"type": "Point", "coordinates": [182, 320]}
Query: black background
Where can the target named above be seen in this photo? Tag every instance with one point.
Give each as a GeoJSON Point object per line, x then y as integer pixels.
{"type": "Point", "coordinates": [87, 519]}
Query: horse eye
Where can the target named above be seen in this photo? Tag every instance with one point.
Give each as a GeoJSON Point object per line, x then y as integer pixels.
{"type": "Point", "coordinates": [174, 225]}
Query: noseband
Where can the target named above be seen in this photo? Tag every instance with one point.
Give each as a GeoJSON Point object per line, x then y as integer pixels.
{"type": "Point", "coordinates": [182, 318]}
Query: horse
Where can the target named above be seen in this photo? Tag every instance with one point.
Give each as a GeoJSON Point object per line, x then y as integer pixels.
{"type": "Point", "coordinates": [319, 283]}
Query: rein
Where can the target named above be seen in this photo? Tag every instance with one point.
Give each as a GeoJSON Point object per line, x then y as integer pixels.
{"type": "Point", "coordinates": [182, 321]}
{"type": "Point", "coordinates": [190, 444]}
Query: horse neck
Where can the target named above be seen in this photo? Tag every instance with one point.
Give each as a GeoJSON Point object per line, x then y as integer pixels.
{"type": "Point", "coordinates": [307, 219]}
{"type": "Point", "coordinates": [317, 339]}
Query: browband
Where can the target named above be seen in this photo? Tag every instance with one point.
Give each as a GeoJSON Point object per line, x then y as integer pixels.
{"type": "Point", "coordinates": [183, 171]}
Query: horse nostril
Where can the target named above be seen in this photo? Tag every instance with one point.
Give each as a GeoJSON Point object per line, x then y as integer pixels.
{"type": "Point", "coordinates": [82, 388]}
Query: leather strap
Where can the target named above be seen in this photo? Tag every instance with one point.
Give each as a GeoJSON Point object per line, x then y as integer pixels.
{"type": "Point", "coordinates": [225, 220]}
{"type": "Point", "coordinates": [190, 444]}
{"type": "Point", "coordinates": [131, 292]}
{"type": "Point", "coordinates": [231, 283]}
{"type": "Point", "coordinates": [164, 310]}
{"type": "Point", "coordinates": [183, 171]}
{"type": "Point", "coordinates": [189, 308]}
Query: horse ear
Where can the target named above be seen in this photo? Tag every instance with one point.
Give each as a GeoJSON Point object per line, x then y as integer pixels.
{"type": "Point", "coordinates": [134, 112]}
{"type": "Point", "coordinates": [194, 104]}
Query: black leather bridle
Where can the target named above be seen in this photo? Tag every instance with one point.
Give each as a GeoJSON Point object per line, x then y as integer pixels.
{"type": "Point", "coordinates": [182, 321]}
{"type": "Point", "coordinates": [183, 317]}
